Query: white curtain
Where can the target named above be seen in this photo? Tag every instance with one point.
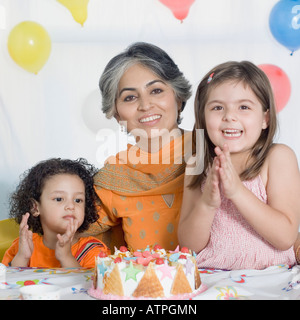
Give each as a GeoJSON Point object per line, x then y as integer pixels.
{"type": "Point", "coordinates": [56, 113]}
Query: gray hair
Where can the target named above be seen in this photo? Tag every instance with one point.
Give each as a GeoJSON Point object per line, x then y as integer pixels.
{"type": "Point", "coordinates": [151, 57]}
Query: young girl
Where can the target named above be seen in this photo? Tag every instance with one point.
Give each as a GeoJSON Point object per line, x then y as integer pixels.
{"type": "Point", "coordinates": [58, 199]}
{"type": "Point", "coordinates": [243, 211]}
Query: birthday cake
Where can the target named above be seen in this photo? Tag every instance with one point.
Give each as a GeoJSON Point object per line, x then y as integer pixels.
{"type": "Point", "coordinates": [153, 273]}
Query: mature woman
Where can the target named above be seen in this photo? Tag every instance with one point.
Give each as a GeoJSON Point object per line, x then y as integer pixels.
{"type": "Point", "coordinates": [141, 188]}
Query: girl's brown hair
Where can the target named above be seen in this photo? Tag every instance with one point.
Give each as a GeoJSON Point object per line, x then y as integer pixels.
{"type": "Point", "coordinates": [250, 75]}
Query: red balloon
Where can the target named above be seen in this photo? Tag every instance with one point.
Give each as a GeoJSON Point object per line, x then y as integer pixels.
{"type": "Point", "coordinates": [180, 8]}
{"type": "Point", "coordinates": [280, 84]}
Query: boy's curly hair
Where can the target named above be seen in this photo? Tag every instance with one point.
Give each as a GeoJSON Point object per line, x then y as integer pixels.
{"type": "Point", "coordinates": [32, 183]}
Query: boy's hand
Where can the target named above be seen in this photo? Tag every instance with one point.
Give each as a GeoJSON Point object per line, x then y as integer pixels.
{"type": "Point", "coordinates": [64, 243]}
{"type": "Point", "coordinates": [25, 240]}
{"type": "Point", "coordinates": [21, 259]}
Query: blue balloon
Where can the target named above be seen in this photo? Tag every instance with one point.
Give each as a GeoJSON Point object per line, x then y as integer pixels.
{"type": "Point", "coordinates": [284, 22]}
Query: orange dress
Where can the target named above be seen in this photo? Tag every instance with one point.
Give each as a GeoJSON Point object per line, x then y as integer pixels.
{"type": "Point", "coordinates": [145, 196]}
{"type": "Point", "coordinates": [84, 250]}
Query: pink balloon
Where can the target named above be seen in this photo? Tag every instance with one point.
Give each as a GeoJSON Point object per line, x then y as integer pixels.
{"type": "Point", "coordinates": [180, 8]}
{"type": "Point", "coordinates": [280, 84]}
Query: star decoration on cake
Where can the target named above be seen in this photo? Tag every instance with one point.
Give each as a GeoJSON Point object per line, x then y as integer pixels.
{"type": "Point", "coordinates": [174, 257]}
{"type": "Point", "coordinates": [102, 268]}
{"type": "Point", "coordinates": [131, 272]}
{"type": "Point", "coordinates": [130, 258]}
{"type": "Point", "coordinates": [176, 250]}
{"type": "Point", "coordinates": [166, 271]}
{"type": "Point", "coordinates": [189, 267]}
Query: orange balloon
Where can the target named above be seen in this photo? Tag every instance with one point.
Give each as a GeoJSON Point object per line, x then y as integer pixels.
{"type": "Point", "coordinates": [280, 83]}
{"type": "Point", "coordinates": [180, 8]}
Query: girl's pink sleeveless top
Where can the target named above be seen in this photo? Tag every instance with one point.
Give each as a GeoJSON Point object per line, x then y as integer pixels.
{"type": "Point", "coordinates": [234, 244]}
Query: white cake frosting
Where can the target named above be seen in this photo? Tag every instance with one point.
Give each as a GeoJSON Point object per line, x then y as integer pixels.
{"type": "Point", "coordinates": [150, 273]}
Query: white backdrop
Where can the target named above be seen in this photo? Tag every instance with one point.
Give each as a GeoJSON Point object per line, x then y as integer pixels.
{"type": "Point", "coordinates": [56, 113]}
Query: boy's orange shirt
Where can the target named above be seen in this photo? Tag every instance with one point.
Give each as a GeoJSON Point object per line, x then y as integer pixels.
{"type": "Point", "coordinates": [84, 250]}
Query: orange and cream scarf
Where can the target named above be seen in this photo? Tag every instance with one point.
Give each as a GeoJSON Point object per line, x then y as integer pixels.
{"type": "Point", "coordinates": [135, 172]}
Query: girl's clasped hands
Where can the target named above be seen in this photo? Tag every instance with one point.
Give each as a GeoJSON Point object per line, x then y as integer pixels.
{"type": "Point", "coordinates": [221, 174]}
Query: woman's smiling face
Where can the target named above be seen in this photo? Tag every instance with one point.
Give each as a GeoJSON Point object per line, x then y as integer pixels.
{"type": "Point", "coordinates": [146, 102]}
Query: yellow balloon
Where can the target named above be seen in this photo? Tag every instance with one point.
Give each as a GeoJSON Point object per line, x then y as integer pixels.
{"type": "Point", "coordinates": [29, 45]}
{"type": "Point", "coordinates": [78, 9]}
